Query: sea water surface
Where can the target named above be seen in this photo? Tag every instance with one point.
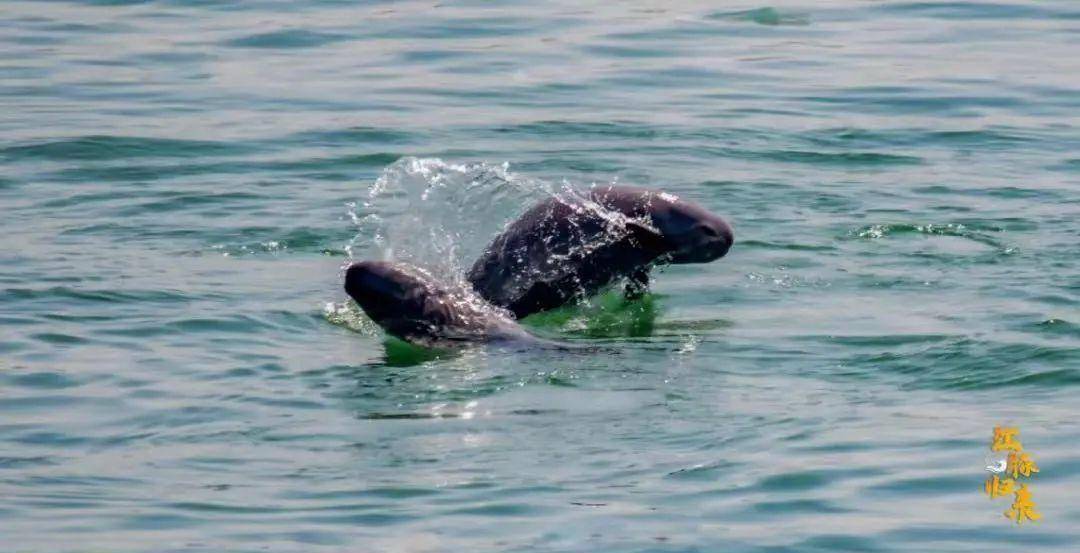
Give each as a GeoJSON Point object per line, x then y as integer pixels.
{"type": "Point", "coordinates": [182, 181]}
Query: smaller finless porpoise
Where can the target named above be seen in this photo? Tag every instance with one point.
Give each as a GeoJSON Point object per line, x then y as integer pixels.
{"type": "Point", "coordinates": [409, 303]}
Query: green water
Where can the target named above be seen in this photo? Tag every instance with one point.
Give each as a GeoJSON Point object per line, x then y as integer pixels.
{"type": "Point", "coordinates": [182, 181]}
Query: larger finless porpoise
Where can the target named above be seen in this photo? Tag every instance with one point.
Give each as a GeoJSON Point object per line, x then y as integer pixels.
{"type": "Point", "coordinates": [562, 249]}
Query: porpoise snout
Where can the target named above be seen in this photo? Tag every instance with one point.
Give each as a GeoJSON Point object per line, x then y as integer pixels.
{"type": "Point", "coordinates": [723, 238]}
{"type": "Point", "coordinates": [376, 282]}
{"type": "Point", "coordinates": [708, 241]}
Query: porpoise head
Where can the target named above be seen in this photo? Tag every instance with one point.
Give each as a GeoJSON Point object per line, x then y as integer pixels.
{"type": "Point", "coordinates": [401, 299]}
{"type": "Point", "coordinates": [696, 235]}
{"type": "Point", "coordinates": [409, 303]}
{"type": "Point", "coordinates": [691, 232]}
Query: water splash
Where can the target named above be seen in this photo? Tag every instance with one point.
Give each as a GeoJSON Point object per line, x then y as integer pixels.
{"type": "Point", "coordinates": [348, 315]}
{"type": "Point", "coordinates": [979, 234]}
{"type": "Point", "coordinates": [439, 215]}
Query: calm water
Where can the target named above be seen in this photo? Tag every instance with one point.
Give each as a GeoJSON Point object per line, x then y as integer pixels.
{"type": "Point", "coordinates": [182, 181]}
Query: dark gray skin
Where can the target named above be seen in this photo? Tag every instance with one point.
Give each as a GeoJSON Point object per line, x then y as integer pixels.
{"type": "Point", "coordinates": [408, 303]}
{"type": "Point", "coordinates": [559, 251]}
